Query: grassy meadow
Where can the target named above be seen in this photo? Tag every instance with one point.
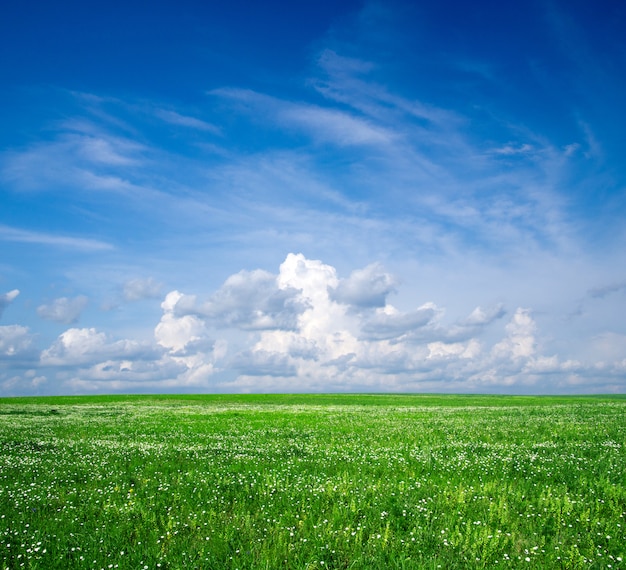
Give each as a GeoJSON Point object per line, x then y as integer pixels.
{"type": "Point", "coordinates": [313, 482]}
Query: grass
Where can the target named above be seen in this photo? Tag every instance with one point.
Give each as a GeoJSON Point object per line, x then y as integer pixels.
{"type": "Point", "coordinates": [303, 481]}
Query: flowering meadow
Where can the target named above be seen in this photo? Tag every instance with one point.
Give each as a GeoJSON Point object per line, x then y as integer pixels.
{"type": "Point", "coordinates": [312, 482]}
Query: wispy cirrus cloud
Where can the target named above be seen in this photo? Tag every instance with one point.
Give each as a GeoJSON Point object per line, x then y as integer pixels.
{"type": "Point", "coordinates": [80, 146]}
{"type": "Point", "coordinates": [345, 80]}
{"type": "Point", "coordinates": [323, 124]}
{"type": "Point", "coordinates": [436, 177]}
{"type": "Point", "coordinates": [334, 126]}
{"type": "Point", "coordinates": [178, 119]}
{"type": "Point", "coordinates": [514, 149]}
{"type": "Point", "coordinates": [8, 233]}
{"type": "Point", "coordinates": [426, 157]}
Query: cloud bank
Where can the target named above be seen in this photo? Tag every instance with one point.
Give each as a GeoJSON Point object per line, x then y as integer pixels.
{"type": "Point", "coordinates": [307, 329]}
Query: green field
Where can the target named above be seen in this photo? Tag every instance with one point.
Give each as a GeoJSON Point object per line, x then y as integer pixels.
{"type": "Point", "coordinates": [313, 481]}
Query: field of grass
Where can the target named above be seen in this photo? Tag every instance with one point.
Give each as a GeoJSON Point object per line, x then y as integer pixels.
{"type": "Point", "coordinates": [313, 482]}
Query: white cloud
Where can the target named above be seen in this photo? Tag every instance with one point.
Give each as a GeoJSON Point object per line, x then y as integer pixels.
{"type": "Point", "coordinates": [329, 345]}
{"type": "Point", "coordinates": [338, 65]}
{"type": "Point", "coordinates": [174, 332]}
{"type": "Point", "coordinates": [63, 310]}
{"type": "Point", "coordinates": [188, 342]}
{"type": "Point", "coordinates": [330, 125]}
{"type": "Point", "coordinates": [85, 158]}
{"type": "Point", "coordinates": [104, 151]}
{"type": "Point", "coordinates": [25, 236]}
{"type": "Point", "coordinates": [87, 346]}
{"type": "Point", "coordinates": [480, 316]}
{"type": "Point", "coordinates": [137, 289]}
{"type": "Point", "coordinates": [520, 342]}
{"type": "Point", "coordinates": [122, 375]}
{"type": "Point", "coordinates": [552, 365]}
{"type": "Point", "coordinates": [28, 382]}
{"type": "Point", "coordinates": [382, 348]}
{"type": "Point", "coordinates": [175, 118]}
{"type": "Point", "coordinates": [469, 327]}
{"type": "Point", "coordinates": [264, 363]}
{"type": "Point", "coordinates": [344, 81]}
{"type": "Point", "coordinates": [323, 321]}
{"type": "Point", "coordinates": [389, 323]}
{"type": "Point", "coordinates": [249, 300]}
{"type": "Point", "coordinates": [79, 147]}
{"type": "Point", "coordinates": [512, 149]}
{"type": "Point", "coordinates": [365, 288]}
{"type": "Point", "coordinates": [15, 342]}
{"type": "Point", "coordinates": [87, 360]}
{"type": "Point", "coordinates": [336, 346]}
{"type": "Point", "coordinates": [323, 124]}
{"type": "Point", "coordinates": [443, 350]}
{"type": "Point", "coordinates": [7, 298]}
{"type": "Point", "coordinates": [307, 329]}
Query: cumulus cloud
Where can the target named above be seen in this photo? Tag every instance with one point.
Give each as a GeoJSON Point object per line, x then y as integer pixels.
{"type": "Point", "coordinates": [365, 288]}
{"type": "Point", "coordinates": [119, 375]}
{"type": "Point", "coordinates": [248, 300]}
{"type": "Point", "coordinates": [87, 360]}
{"type": "Point", "coordinates": [473, 325]}
{"type": "Point", "coordinates": [306, 328]}
{"type": "Point", "coordinates": [7, 298]}
{"type": "Point", "coordinates": [187, 341]}
{"type": "Point", "coordinates": [177, 333]}
{"type": "Point", "coordinates": [520, 339]}
{"type": "Point", "coordinates": [389, 323]}
{"type": "Point", "coordinates": [28, 382]}
{"type": "Point", "coordinates": [440, 349]}
{"type": "Point", "coordinates": [264, 363]}
{"type": "Point", "coordinates": [481, 316]}
{"type": "Point", "coordinates": [15, 342]}
{"type": "Point", "coordinates": [86, 346]}
{"type": "Point", "coordinates": [63, 310]}
{"type": "Point", "coordinates": [335, 345]}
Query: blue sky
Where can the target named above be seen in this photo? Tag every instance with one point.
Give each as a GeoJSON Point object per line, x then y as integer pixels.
{"type": "Point", "coordinates": [291, 196]}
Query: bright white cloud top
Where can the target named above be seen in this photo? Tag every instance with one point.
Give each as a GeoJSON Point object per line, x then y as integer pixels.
{"type": "Point", "coordinates": [398, 197]}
